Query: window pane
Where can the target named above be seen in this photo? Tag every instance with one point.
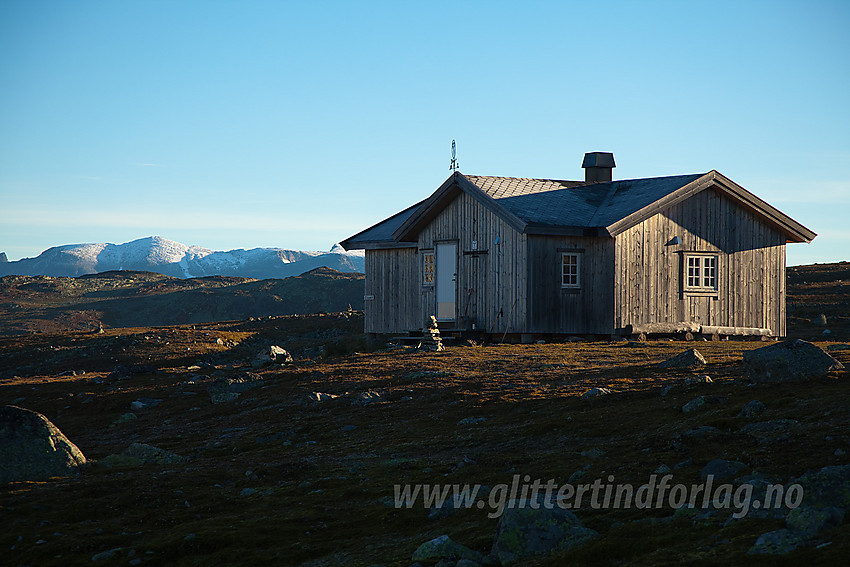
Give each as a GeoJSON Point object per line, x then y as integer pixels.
{"type": "Point", "coordinates": [569, 270]}
{"type": "Point", "coordinates": [428, 268]}
{"type": "Point", "coordinates": [709, 272]}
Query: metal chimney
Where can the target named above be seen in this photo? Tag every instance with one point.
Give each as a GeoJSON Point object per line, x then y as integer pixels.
{"type": "Point", "coordinates": [598, 167]}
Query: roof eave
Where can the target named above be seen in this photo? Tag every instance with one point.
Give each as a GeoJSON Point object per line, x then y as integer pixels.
{"type": "Point", "coordinates": [794, 231]}
{"type": "Point", "coordinates": [432, 206]}
{"type": "Point", "coordinates": [351, 243]}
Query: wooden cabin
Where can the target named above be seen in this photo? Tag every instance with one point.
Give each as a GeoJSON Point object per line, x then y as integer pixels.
{"type": "Point", "coordinates": [539, 257]}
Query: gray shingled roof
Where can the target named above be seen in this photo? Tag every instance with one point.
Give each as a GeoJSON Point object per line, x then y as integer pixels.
{"type": "Point", "coordinates": [381, 232]}
{"type": "Point", "coordinates": [547, 206]}
{"type": "Point", "coordinates": [571, 203]}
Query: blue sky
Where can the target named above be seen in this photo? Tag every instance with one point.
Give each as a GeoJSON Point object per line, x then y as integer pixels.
{"type": "Point", "coordinates": [296, 124]}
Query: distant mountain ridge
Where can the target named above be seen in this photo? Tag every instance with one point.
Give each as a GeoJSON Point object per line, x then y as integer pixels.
{"type": "Point", "coordinates": [160, 255]}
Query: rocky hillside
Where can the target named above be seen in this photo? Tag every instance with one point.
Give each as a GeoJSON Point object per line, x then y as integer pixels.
{"type": "Point", "coordinates": [188, 444]}
{"type": "Point", "coordinates": [198, 451]}
{"type": "Point", "coordinates": [135, 299]}
{"type": "Point", "coordinates": [157, 254]}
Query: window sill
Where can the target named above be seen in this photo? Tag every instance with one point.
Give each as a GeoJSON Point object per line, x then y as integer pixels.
{"type": "Point", "coordinates": [702, 293]}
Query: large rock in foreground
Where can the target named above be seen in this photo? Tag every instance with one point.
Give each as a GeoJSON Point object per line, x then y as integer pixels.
{"type": "Point", "coordinates": [525, 532]}
{"type": "Point", "coordinates": [788, 361]}
{"type": "Point", "coordinates": [688, 359]}
{"type": "Point", "coordinates": [32, 448]}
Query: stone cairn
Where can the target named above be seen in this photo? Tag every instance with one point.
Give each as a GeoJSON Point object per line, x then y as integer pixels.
{"type": "Point", "coordinates": [431, 337]}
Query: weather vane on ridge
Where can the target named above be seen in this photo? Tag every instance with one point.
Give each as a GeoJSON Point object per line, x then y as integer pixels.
{"type": "Point", "coordinates": [454, 166]}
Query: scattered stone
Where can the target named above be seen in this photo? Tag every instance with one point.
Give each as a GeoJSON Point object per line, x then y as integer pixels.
{"type": "Point", "coordinates": [125, 418]}
{"type": "Point", "coordinates": [426, 374]}
{"type": "Point", "coordinates": [316, 397]}
{"type": "Point", "coordinates": [218, 397]}
{"type": "Point", "coordinates": [687, 359]}
{"type": "Point", "coordinates": [366, 398]}
{"type": "Point", "coordinates": [248, 492]}
{"type": "Point", "coordinates": [142, 454]}
{"type": "Point", "coordinates": [722, 469]}
{"type": "Point", "coordinates": [219, 341]}
{"type": "Point", "coordinates": [145, 403]}
{"type": "Point", "coordinates": [595, 393]}
{"type": "Point", "coordinates": [33, 448]}
{"type": "Point", "coordinates": [700, 380]}
{"type": "Point", "coordinates": [347, 428]}
{"type": "Point", "coordinates": [279, 355]}
{"type": "Point", "coordinates": [787, 361]}
{"type": "Point", "coordinates": [752, 409]}
{"type": "Point", "coordinates": [694, 404]}
{"type": "Point", "coordinates": [701, 432]}
{"type": "Point", "coordinates": [770, 430]}
{"type": "Point", "coordinates": [444, 548]}
{"type": "Point", "coordinates": [812, 521]}
{"type": "Point", "coordinates": [471, 420]}
{"type": "Point", "coordinates": [662, 469]}
{"type": "Point", "coordinates": [778, 542]}
{"type": "Point", "coordinates": [228, 389]}
{"type": "Point", "coordinates": [120, 372]}
{"type": "Point", "coordinates": [820, 320]}
{"type": "Point", "coordinates": [840, 452]}
{"type": "Point", "coordinates": [524, 532]}
{"type": "Point", "coordinates": [106, 555]}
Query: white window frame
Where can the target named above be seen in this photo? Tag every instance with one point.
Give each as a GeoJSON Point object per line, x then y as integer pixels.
{"type": "Point", "coordinates": [702, 272]}
{"type": "Point", "coordinates": [428, 275]}
{"type": "Point", "coordinates": [571, 280]}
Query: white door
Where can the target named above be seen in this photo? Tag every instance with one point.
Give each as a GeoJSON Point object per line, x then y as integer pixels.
{"type": "Point", "coordinates": [446, 280]}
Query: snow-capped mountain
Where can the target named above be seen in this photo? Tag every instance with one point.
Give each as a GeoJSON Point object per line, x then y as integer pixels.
{"type": "Point", "coordinates": [157, 254]}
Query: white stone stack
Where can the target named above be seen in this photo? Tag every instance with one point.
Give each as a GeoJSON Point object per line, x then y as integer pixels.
{"type": "Point", "coordinates": [431, 337]}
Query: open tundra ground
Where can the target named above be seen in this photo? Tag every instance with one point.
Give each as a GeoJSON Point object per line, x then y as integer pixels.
{"type": "Point", "coordinates": [271, 477]}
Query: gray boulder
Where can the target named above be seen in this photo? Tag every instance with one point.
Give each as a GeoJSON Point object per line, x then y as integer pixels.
{"type": "Point", "coordinates": [829, 486]}
{"type": "Point", "coordinates": [366, 398]}
{"type": "Point", "coordinates": [812, 521]}
{"type": "Point", "coordinates": [595, 393]}
{"type": "Point", "coordinates": [32, 448]}
{"type": "Point", "coordinates": [279, 355]}
{"type": "Point", "coordinates": [228, 389]}
{"type": "Point", "coordinates": [524, 532]}
{"type": "Point", "coordinates": [688, 359]}
{"type": "Point", "coordinates": [694, 404]}
{"type": "Point", "coordinates": [778, 542]}
{"type": "Point", "coordinates": [443, 547]}
{"type": "Point", "coordinates": [752, 409]}
{"type": "Point", "coordinates": [722, 469]}
{"type": "Point", "coordinates": [788, 361]}
{"type": "Point", "coordinates": [142, 454]}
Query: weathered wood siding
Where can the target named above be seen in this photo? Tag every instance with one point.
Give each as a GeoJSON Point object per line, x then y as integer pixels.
{"type": "Point", "coordinates": [491, 283]}
{"type": "Point", "coordinates": [392, 283]}
{"type": "Point", "coordinates": [553, 309]}
{"type": "Point", "coordinates": [648, 285]}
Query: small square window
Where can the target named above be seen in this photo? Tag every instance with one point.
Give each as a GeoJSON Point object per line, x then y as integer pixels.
{"type": "Point", "coordinates": [701, 272]}
{"type": "Point", "coordinates": [428, 268]}
{"type": "Point", "coordinates": [571, 270]}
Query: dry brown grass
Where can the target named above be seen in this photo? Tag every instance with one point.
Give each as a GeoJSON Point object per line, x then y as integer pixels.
{"type": "Point", "coordinates": [324, 492]}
